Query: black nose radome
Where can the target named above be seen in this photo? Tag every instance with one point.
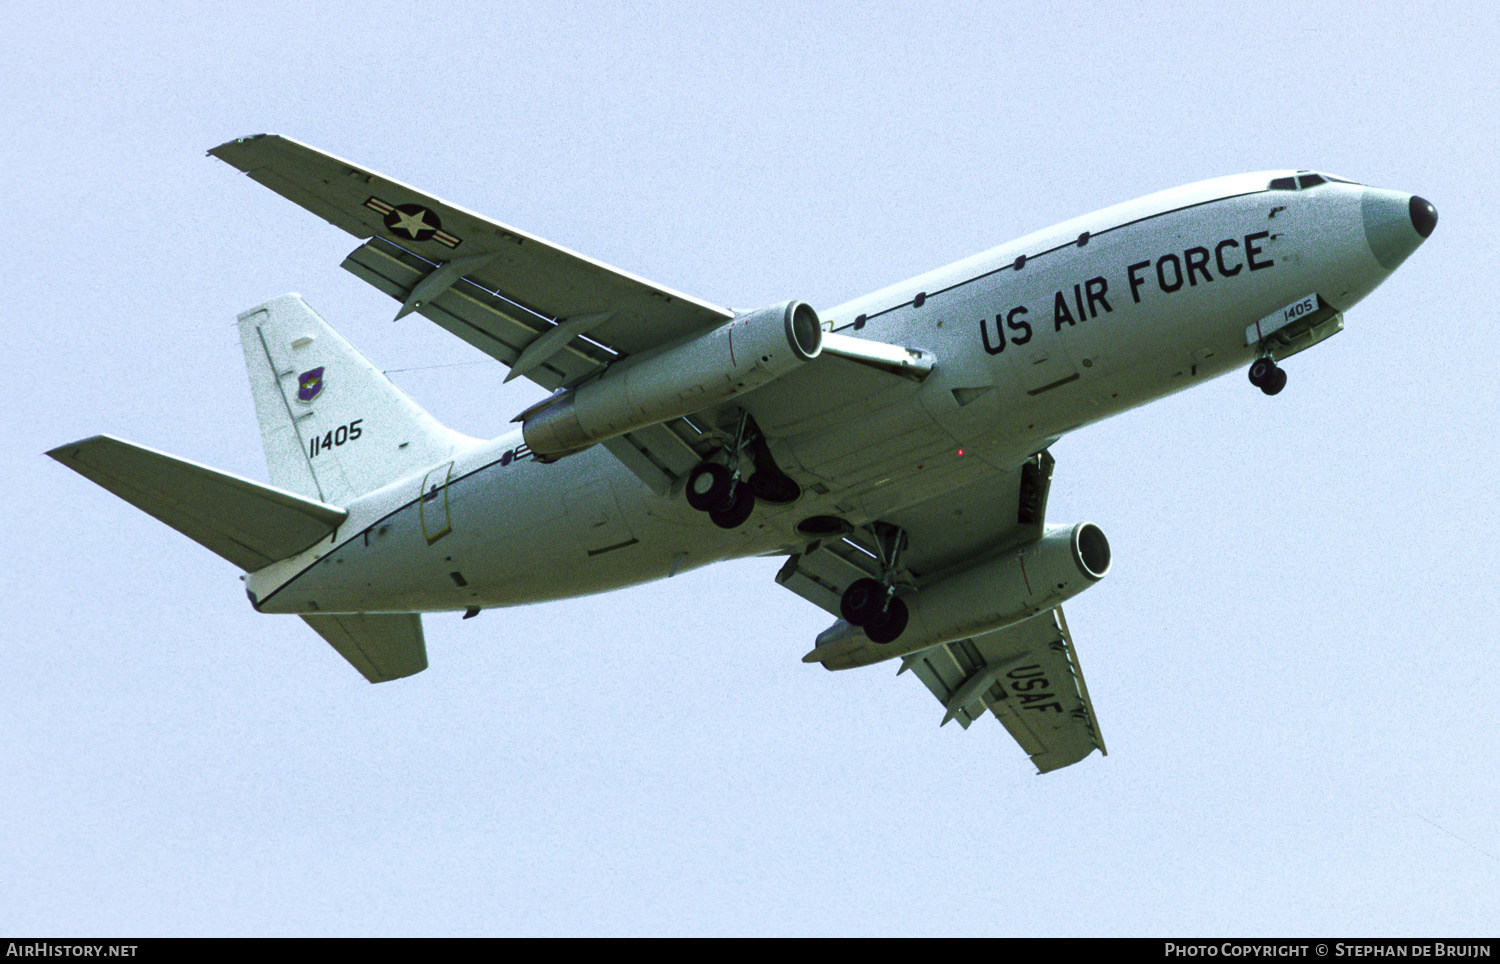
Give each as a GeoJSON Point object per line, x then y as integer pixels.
{"type": "Point", "coordinates": [1423, 215]}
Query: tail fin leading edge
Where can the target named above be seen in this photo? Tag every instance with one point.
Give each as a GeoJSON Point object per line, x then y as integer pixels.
{"type": "Point", "coordinates": [334, 426]}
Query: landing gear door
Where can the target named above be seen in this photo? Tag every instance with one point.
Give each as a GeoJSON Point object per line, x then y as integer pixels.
{"type": "Point", "coordinates": [1297, 327]}
{"type": "Point", "coordinates": [433, 506]}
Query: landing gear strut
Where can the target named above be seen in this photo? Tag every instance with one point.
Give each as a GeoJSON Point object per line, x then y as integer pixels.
{"type": "Point", "coordinates": [872, 604]}
{"type": "Point", "coordinates": [1265, 376]}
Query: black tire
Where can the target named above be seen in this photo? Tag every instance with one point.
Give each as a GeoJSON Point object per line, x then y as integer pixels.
{"type": "Point", "coordinates": [1262, 370]}
{"type": "Point", "coordinates": [709, 486]}
{"type": "Point", "coordinates": [862, 601]}
{"type": "Point", "coordinates": [889, 625]}
{"type": "Point", "coordinates": [1276, 383]}
{"type": "Point", "coordinates": [741, 504]}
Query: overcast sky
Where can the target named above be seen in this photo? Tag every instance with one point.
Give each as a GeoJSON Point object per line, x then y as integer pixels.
{"type": "Point", "coordinates": [1293, 661]}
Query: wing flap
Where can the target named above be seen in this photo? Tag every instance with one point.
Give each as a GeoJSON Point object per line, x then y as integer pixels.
{"type": "Point", "coordinates": [250, 524]}
{"type": "Point", "coordinates": [659, 455]}
{"type": "Point", "coordinates": [499, 328]}
{"type": "Point", "coordinates": [999, 511]}
{"type": "Point", "coordinates": [822, 572]}
{"type": "Point", "coordinates": [939, 670]}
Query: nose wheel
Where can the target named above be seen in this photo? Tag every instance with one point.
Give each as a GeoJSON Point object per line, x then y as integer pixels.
{"type": "Point", "coordinates": [1266, 376]}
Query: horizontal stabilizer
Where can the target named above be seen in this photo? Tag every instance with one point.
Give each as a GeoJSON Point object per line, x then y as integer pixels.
{"type": "Point", "coordinates": [250, 524]}
{"type": "Point", "coordinates": [382, 646]}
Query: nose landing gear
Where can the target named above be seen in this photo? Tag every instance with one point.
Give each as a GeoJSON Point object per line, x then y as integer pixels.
{"type": "Point", "coordinates": [1265, 376]}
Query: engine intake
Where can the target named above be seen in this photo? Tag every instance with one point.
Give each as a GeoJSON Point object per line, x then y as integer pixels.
{"type": "Point", "coordinates": [708, 369]}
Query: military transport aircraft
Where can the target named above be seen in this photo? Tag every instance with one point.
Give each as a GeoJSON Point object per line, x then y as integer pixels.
{"type": "Point", "coordinates": [893, 449]}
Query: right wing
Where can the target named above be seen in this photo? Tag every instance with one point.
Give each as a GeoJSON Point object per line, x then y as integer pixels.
{"type": "Point", "coordinates": [550, 314]}
{"type": "Point", "coordinates": [1028, 676]}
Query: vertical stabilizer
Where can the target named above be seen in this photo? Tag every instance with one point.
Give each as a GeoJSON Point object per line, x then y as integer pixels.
{"type": "Point", "coordinates": [334, 426]}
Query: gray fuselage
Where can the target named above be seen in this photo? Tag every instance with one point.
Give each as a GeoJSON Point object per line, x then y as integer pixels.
{"type": "Point", "coordinates": [1032, 339]}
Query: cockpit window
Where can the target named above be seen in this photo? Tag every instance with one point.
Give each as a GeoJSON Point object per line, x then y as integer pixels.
{"type": "Point", "coordinates": [1303, 180]}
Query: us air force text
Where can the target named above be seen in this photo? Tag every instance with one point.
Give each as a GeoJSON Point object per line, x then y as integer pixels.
{"type": "Point", "coordinates": [1173, 272]}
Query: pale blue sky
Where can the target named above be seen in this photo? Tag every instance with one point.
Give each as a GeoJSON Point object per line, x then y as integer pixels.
{"type": "Point", "coordinates": [1293, 661]}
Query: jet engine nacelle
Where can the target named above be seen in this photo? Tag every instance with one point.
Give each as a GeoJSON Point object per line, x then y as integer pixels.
{"type": "Point", "coordinates": [991, 595]}
{"type": "Point", "coordinates": [708, 369]}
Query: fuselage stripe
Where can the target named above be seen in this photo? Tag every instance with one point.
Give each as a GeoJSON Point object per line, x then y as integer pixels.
{"type": "Point", "coordinates": [364, 533]}
{"type": "Point", "coordinates": [1011, 265]}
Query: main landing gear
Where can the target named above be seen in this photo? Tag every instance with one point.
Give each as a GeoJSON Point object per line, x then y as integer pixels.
{"type": "Point", "coordinates": [714, 489]}
{"type": "Point", "coordinates": [715, 486]}
{"type": "Point", "coordinates": [872, 604]}
{"type": "Point", "coordinates": [1265, 376]}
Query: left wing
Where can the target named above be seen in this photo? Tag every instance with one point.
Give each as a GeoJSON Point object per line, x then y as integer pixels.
{"type": "Point", "coordinates": [550, 314]}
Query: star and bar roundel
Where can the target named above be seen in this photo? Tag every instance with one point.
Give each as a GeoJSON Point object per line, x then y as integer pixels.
{"type": "Point", "coordinates": [413, 222]}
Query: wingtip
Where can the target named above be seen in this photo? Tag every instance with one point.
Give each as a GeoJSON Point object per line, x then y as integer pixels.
{"type": "Point", "coordinates": [68, 450]}
{"type": "Point", "coordinates": [214, 151]}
